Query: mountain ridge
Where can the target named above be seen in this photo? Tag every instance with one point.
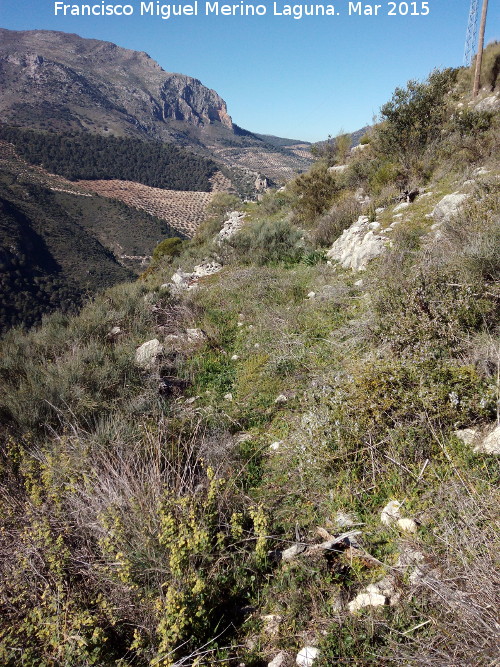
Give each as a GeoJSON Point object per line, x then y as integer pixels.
{"type": "Point", "coordinates": [89, 85]}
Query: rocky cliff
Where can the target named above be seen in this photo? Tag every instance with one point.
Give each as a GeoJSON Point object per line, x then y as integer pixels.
{"type": "Point", "coordinates": [61, 80]}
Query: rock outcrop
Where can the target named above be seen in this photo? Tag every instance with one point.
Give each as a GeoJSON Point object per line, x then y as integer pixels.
{"type": "Point", "coordinates": [358, 245]}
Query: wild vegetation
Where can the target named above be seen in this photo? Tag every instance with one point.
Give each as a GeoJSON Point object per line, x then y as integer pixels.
{"type": "Point", "coordinates": [147, 501]}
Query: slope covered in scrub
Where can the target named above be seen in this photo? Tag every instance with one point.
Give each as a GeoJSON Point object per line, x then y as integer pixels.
{"type": "Point", "coordinates": [254, 451]}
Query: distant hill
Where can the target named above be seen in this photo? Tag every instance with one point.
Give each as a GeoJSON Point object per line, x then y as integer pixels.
{"type": "Point", "coordinates": [59, 243]}
{"type": "Point", "coordinates": [63, 83]}
{"type": "Point", "coordinates": [281, 141]}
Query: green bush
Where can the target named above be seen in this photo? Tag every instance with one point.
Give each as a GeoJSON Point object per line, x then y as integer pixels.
{"type": "Point", "coordinates": [315, 192]}
{"type": "Point", "coordinates": [331, 225]}
{"type": "Point", "coordinates": [265, 242]}
{"type": "Point", "coordinates": [169, 248]}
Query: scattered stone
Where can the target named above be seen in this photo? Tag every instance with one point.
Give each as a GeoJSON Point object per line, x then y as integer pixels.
{"type": "Point", "coordinates": [407, 525]}
{"type": "Point", "coordinates": [400, 207]}
{"type": "Point", "coordinates": [338, 169]}
{"type": "Point", "coordinates": [361, 197]}
{"type": "Point", "coordinates": [490, 444]}
{"type": "Point", "coordinates": [240, 324]}
{"type": "Point", "coordinates": [386, 587]}
{"type": "Point", "coordinates": [467, 435]}
{"type": "Point", "coordinates": [307, 656]}
{"type": "Point", "coordinates": [390, 514]}
{"type": "Point", "coordinates": [281, 660]}
{"type": "Point", "coordinates": [190, 401]}
{"type": "Point", "coordinates": [345, 519]}
{"type": "Point", "coordinates": [293, 551]}
{"type": "Point", "coordinates": [311, 295]}
{"type": "Point", "coordinates": [256, 346]}
{"type": "Point", "coordinates": [114, 333]}
{"type": "Point", "coordinates": [276, 445]}
{"type": "Point", "coordinates": [448, 206]}
{"type": "Point", "coordinates": [228, 397]}
{"type": "Point", "coordinates": [489, 103]}
{"type": "Point", "coordinates": [379, 210]}
{"type": "Point", "coordinates": [481, 171]}
{"type": "Point", "coordinates": [272, 623]}
{"type": "Point", "coordinates": [374, 225]}
{"type": "Point", "coordinates": [184, 281]}
{"type": "Point", "coordinates": [195, 335]}
{"type": "Point", "coordinates": [207, 268]}
{"type": "Point", "coordinates": [359, 283]}
{"type": "Point", "coordinates": [281, 399]}
{"type": "Point", "coordinates": [147, 353]}
{"type": "Point", "coordinates": [233, 223]}
{"type": "Point", "coordinates": [363, 600]}
{"type": "Point", "coordinates": [235, 357]}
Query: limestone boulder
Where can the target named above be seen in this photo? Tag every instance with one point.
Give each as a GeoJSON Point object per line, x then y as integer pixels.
{"type": "Point", "coordinates": [147, 354]}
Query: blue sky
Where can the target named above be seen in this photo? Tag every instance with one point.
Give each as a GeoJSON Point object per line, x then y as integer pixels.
{"type": "Point", "coordinates": [302, 78]}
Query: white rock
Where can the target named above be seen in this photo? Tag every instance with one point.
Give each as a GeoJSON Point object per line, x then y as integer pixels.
{"type": "Point", "coordinates": [386, 586]}
{"type": "Point", "coordinates": [400, 207]}
{"type": "Point", "coordinates": [311, 295]}
{"type": "Point", "coordinates": [366, 600]}
{"type": "Point", "coordinates": [357, 245]}
{"type": "Point", "coordinates": [228, 397]}
{"type": "Point", "coordinates": [281, 399]}
{"type": "Point", "coordinates": [235, 357]}
{"type": "Point", "coordinates": [276, 445]}
{"type": "Point", "coordinates": [194, 335]}
{"type": "Point", "coordinates": [359, 283]}
{"type": "Point", "coordinates": [374, 225]}
{"type": "Point", "coordinates": [467, 435]}
{"type": "Point", "coordinates": [490, 103]}
{"type": "Point", "coordinates": [147, 353]}
{"type": "Point", "coordinates": [407, 525]}
{"type": "Point", "coordinates": [272, 623]}
{"type": "Point", "coordinates": [448, 206]}
{"type": "Point", "coordinates": [491, 443]}
{"type": "Point", "coordinates": [379, 210]}
{"type": "Point", "coordinates": [307, 656]}
{"type": "Point", "coordinates": [345, 519]}
{"type": "Point", "coordinates": [338, 169]}
{"type": "Point", "coordinates": [390, 514]}
{"type": "Point", "coordinates": [281, 660]}
{"type": "Point", "coordinates": [206, 268]}
{"type": "Point", "coordinates": [233, 223]}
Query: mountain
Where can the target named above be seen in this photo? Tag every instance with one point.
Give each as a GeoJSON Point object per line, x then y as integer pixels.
{"type": "Point", "coordinates": [62, 82]}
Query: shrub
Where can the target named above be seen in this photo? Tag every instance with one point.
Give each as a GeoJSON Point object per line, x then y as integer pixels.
{"type": "Point", "coordinates": [264, 242]}
{"type": "Point", "coordinates": [168, 249]}
{"type": "Point", "coordinates": [315, 192]}
{"type": "Point", "coordinates": [331, 225]}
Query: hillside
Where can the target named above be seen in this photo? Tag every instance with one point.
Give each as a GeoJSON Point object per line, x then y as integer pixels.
{"type": "Point", "coordinates": [280, 445]}
{"type": "Point", "coordinates": [63, 83]}
{"type": "Point", "coordinates": [54, 246]}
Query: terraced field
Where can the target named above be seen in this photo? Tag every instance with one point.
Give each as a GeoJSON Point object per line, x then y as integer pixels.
{"type": "Point", "coordinates": [182, 210]}
{"type": "Point", "coordinates": [277, 166]}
